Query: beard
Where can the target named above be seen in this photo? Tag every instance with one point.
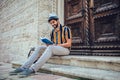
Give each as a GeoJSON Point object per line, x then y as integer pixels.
{"type": "Point", "coordinates": [55, 26]}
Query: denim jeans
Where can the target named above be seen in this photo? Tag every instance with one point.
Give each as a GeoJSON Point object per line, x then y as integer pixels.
{"type": "Point", "coordinates": [46, 52]}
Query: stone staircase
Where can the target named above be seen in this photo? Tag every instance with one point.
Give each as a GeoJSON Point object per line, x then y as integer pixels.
{"type": "Point", "coordinates": [83, 67]}
{"type": "Point", "coordinates": [96, 62]}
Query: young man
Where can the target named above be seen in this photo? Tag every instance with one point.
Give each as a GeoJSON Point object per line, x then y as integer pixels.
{"type": "Point", "coordinates": [61, 37]}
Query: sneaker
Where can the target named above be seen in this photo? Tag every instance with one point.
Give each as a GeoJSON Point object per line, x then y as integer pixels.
{"type": "Point", "coordinates": [26, 73]}
{"type": "Point", "coordinates": [16, 71]}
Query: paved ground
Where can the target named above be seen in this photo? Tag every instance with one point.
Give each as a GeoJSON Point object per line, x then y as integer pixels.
{"type": "Point", "coordinates": [5, 68]}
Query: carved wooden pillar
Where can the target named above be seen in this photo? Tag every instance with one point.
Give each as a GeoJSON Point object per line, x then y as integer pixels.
{"type": "Point", "coordinates": [91, 22]}
{"type": "Point", "coordinates": [86, 22]}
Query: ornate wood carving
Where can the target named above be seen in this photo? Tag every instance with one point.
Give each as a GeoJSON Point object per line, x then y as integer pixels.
{"type": "Point", "coordinates": [106, 16]}
{"type": "Point", "coordinates": [86, 22]}
{"type": "Point", "coordinates": [74, 19]}
{"type": "Point", "coordinates": [95, 26]}
{"type": "Point", "coordinates": [77, 33]}
{"type": "Point", "coordinates": [73, 9]}
{"type": "Point", "coordinates": [105, 29]}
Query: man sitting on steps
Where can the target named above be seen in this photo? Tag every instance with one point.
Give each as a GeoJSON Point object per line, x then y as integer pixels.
{"type": "Point", "coordinates": [61, 37]}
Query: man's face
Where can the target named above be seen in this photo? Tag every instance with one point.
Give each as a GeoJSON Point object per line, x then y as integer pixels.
{"type": "Point", "coordinates": [54, 23]}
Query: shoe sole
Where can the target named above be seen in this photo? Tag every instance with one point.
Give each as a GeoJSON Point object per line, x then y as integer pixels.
{"type": "Point", "coordinates": [12, 74]}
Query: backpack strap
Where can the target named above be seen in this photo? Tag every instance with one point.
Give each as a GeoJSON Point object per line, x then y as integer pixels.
{"type": "Point", "coordinates": [61, 33]}
{"type": "Point", "coordinates": [65, 28]}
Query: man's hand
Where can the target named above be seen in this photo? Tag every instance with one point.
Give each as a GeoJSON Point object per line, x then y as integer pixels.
{"type": "Point", "coordinates": [47, 44]}
{"type": "Point", "coordinates": [67, 44]}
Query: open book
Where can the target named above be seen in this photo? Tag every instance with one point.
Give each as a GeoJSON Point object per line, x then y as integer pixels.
{"type": "Point", "coordinates": [46, 40]}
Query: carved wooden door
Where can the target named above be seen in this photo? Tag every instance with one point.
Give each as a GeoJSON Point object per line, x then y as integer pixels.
{"type": "Point", "coordinates": [73, 19]}
{"type": "Point", "coordinates": [95, 26]}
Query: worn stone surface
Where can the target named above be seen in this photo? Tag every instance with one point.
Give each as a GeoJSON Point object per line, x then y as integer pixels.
{"type": "Point", "coordinates": [22, 23]}
{"type": "Point", "coordinates": [97, 62]}
{"type": "Point", "coordinates": [75, 71]}
{"type": "Point", "coordinates": [18, 28]}
{"type": "Point", "coordinates": [88, 73]}
{"type": "Point", "coordinates": [5, 68]}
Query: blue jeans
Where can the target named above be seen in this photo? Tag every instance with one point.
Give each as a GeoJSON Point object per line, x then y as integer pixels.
{"type": "Point", "coordinates": [46, 52]}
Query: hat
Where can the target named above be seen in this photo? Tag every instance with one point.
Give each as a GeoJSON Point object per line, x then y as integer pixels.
{"type": "Point", "coordinates": [52, 16]}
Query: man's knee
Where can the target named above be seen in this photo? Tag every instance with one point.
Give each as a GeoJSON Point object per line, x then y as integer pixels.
{"type": "Point", "coordinates": [39, 48]}
{"type": "Point", "coordinates": [50, 47]}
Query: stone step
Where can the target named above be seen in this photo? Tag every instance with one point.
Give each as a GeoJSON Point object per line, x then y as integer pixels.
{"type": "Point", "coordinates": [78, 72]}
{"type": "Point", "coordinates": [96, 62]}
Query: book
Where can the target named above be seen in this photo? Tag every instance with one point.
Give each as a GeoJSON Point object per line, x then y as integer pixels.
{"type": "Point", "coordinates": [46, 40]}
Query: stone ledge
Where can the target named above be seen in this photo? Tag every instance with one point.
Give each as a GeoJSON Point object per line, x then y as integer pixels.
{"type": "Point", "coordinates": [98, 62]}
{"type": "Point", "coordinates": [74, 71]}
{"type": "Point", "coordinates": [89, 73]}
{"type": "Point", "coordinates": [91, 58]}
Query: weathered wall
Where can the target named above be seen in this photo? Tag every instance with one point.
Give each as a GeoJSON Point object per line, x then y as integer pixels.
{"type": "Point", "coordinates": [44, 8]}
{"type": "Point", "coordinates": [22, 22]}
